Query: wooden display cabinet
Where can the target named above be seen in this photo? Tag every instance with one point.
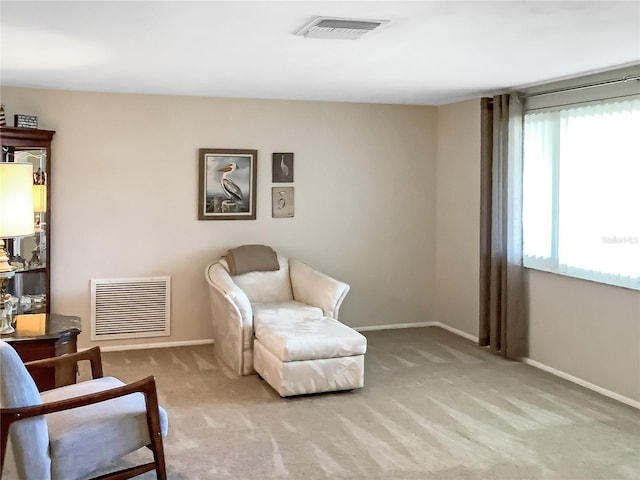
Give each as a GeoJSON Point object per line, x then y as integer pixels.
{"type": "Point", "coordinates": [31, 284]}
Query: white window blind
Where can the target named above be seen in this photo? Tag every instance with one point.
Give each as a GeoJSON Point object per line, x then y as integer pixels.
{"type": "Point", "coordinates": [581, 191]}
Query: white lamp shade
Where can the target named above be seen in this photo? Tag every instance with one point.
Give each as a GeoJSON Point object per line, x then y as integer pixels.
{"type": "Point", "coordinates": [16, 199]}
{"type": "Point", "coordinates": [39, 198]}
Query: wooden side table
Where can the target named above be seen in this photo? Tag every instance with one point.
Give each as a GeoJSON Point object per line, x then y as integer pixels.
{"type": "Point", "coordinates": [47, 335]}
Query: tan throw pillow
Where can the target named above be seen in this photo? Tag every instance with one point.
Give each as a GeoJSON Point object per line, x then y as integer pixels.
{"type": "Point", "coordinates": [251, 258]}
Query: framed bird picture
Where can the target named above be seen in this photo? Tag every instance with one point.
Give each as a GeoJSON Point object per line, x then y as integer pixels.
{"type": "Point", "coordinates": [282, 199]}
{"type": "Point", "coordinates": [227, 184]}
{"type": "Point", "coordinates": [282, 168]}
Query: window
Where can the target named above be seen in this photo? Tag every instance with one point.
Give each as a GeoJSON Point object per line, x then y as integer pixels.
{"type": "Point", "coordinates": [581, 191]}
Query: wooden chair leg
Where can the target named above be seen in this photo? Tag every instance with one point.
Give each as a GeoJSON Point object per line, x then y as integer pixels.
{"type": "Point", "coordinates": [155, 432]}
{"type": "Point", "coordinates": [158, 456]}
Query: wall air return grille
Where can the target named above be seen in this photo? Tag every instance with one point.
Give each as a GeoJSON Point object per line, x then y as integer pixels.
{"type": "Point", "coordinates": [130, 308]}
{"type": "Point", "coordinates": [340, 28]}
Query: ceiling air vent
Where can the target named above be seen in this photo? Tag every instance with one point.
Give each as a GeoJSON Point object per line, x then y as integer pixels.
{"type": "Point", "coordinates": [340, 28]}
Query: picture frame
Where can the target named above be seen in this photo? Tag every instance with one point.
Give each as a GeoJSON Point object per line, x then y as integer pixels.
{"type": "Point", "coordinates": [227, 184]}
{"type": "Point", "coordinates": [25, 121]}
{"type": "Point", "coordinates": [282, 167]}
{"type": "Point", "coordinates": [282, 202]}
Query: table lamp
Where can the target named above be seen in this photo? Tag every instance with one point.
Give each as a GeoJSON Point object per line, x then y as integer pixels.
{"type": "Point", "coordinates": [16, 220]}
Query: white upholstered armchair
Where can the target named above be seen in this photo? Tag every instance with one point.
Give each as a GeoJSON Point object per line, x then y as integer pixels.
{"type": "Point", "coordinates": [295, 290]}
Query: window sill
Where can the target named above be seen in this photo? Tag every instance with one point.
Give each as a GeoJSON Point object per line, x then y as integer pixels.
{"type": "Point", "coordinates": [611, 283]}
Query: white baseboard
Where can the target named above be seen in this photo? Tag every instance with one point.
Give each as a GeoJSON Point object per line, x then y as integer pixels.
{"type": "Point", "coordinates": [553, 371]}
{"type": "Point", "coordinates": [460, 333]}
{"type": "Point", "coordinates": [144, 346]}
{"type": "Point", "coordinates": [393, 326]}
{"type": "Point", "coordinates": [583, 383]}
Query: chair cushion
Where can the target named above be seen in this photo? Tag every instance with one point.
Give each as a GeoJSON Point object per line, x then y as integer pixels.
{"type": "Point", "coordinates": [293, 339]}
{"type": "Point", "coordinates": [29, 437]}
{"type": "Point", "coordinates": [267, 286]}
{"type": "Point", "coordinates": [88, 438]}
{"type": "Point", "coordinates": [292, 310]}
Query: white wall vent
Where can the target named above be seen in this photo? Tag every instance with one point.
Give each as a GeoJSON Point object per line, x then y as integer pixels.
{"type": "Point", "coordinates": [340, 28]}
{"type": "Point", "coordinates": [130, 308]}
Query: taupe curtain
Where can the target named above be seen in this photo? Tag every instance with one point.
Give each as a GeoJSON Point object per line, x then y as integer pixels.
{"type": "Point", "coordinates": [503, 313]}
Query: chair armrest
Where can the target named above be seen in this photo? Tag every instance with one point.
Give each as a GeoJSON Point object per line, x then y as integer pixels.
{"type": "Point", "coordinates": [232, 316]}
{"type": "Point", "coordinates": [315, 288]}
{"type": "Point", "coordinates": [219, 278]}
{"type": "Point", "coordinates": [92, 355]}
{"type": "Point", "coordinates": [146, 386]}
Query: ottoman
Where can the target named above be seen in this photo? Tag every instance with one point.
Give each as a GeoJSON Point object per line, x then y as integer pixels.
{"type": "Point", "coordinates": [306, 355]}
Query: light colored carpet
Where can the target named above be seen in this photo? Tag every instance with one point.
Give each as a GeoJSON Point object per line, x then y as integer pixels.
{"type": "Point", "coordinates": [434, 406]}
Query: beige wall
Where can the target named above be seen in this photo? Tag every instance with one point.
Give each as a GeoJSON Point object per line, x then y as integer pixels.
{"type": "Point", "coordinates": [125, 183]}
{"type": "Point", "coordinates": [372, 202]}
{"type": "Point", "coordinates": [586, 329]}
{"type": "Point", "coordinates": [458, 216]}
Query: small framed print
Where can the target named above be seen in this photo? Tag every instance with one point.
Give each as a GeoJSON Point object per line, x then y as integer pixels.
{"type": "Point", "coordinates": [282, 202]}
{"type": "Point", "coordinates": [25, 121]}
{"type": "Point", "coordinates": [282, 168]}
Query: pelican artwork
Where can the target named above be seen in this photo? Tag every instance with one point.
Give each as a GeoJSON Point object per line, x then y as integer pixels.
{"type": "Point", "coordinates": [283, 168]}
{"type": "Point", "coordinates": [230, 188]}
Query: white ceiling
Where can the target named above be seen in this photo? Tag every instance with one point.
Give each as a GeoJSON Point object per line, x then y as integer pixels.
{"type": "Point", "coordinates": [431, 52]}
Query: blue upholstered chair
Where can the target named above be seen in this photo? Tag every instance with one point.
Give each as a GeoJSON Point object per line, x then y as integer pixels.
{"type": "Point", "coordinates": [75, 430]}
